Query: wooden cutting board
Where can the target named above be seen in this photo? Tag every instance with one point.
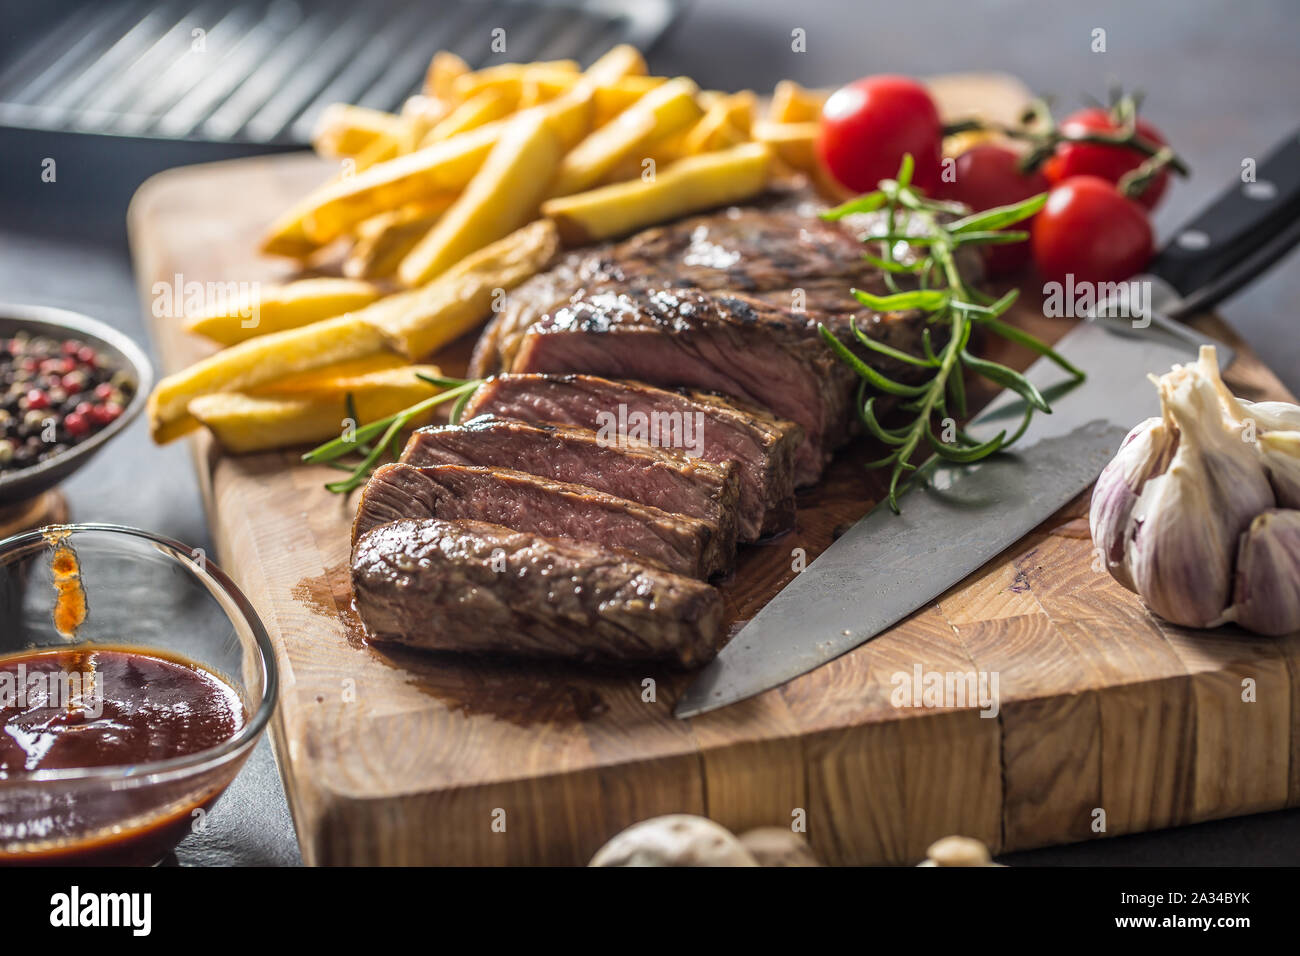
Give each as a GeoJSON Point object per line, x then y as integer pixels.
{"type": "Point", "coordinates": [1110, 721]}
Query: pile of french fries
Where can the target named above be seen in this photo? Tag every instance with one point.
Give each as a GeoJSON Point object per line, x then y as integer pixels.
{"type": "Point", "coordinates": [444, 207]}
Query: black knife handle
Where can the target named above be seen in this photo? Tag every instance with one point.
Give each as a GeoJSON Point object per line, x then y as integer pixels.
{"type": "Point", "coordinates": [1243, 220]}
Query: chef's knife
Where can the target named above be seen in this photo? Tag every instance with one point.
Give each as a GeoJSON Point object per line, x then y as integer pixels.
{"type": "Point", "coordinates": [956, 517]}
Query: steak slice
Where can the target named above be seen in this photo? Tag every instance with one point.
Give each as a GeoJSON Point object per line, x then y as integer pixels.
{"type": "Point", "coordinates": [762, 447]}
{"type": "Point", "coordinates": [735, 344]}
{"type": "Point", "coordinates": [606, 460]}
{"type": "Point", "coordinates": [539, 506]}
{"type": "Point", "coordinates": [478, 587]}
{"type": "Point", "coordinates": [773, 247]}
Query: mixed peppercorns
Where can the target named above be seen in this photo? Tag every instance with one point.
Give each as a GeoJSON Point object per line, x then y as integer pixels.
{"type": "Point", "coordinates": [53, 394]}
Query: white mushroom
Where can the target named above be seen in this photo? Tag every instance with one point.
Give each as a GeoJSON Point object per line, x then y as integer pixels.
{"type": "Point", "coordinates": [678, 839]}
{"type": "Point", "coordinates": [958, 851]}
{"type": "Point", "coordinates": [777, 846]}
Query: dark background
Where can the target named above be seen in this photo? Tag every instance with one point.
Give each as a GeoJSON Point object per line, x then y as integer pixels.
{"type": "Point", "coordinates": [1221, 82]}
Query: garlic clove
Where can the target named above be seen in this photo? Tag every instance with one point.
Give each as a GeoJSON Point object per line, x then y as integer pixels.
{"type": "Point", "coordinates": [1145, 452]}
{"type": "Point", "coordinates": [1281, 454]}
{"type": "Point", "coordinates": [1272, 416]}
{"type": "Point", "coordinates": [1186, 523]}
{"type": "Point", "coordinates": [1266, 588]}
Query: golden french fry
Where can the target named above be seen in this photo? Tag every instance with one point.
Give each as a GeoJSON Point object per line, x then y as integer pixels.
{"type": "Point", "coordinates": [508, 78]}
{"type": "Point", "coordinates": [614, 64]}
{"type": "Point", "coordinates": [345, 130]}
{"type": "Point", "coordinates": [686, 186]}
{"type": "Point", "coordinates": [661, 112]}
{"type": "Point", "coordinates": [792, 103]}
{"type": "Point", "coordinates": [614, 98]}
{"type": "Point", "coordinates": [726, 122]}
{"type": "Point", "coordinates": [420, 114]}
{"type": "Point", "coordinates": [380, 151]}
{"type": "Point", "coordinates": [336, 378]}
{"type": "Point", "coordinates": [256, 362]}
{"type": "Point", "coordinates": [261, 311]}
{"type": "Point", "coordinates": [483, 107]}
{"type": "Point", "coordinates": [419, 322]}
{"type": "Point", "coordinates": [287, 235]}
{"type": "Point", "coordinates": [246, 422]}
{"type": "Point", "coordinates": [444, 70]}
{"type": "Point", "coordinates": [795, 143]}
{"type": "Point", "coordinates": [384, 241]}
{"type": "Point", "coordinates": [502, 197]}
{"type": "Point", "coordinates": [448, 166]}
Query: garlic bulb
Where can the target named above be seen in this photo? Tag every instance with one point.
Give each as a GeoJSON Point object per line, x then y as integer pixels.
{"type": "Point", "coordinates": [1281, 454]}
{"type": "Point", "coordinates": [1266, 597]}
{"type": "Point", "coordinates": [1176, 513]}
{"type": "Point", "coordinates": [1145, 451]}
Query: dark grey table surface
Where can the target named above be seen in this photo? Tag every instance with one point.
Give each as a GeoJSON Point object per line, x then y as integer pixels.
{"type": "Point", "coordinates": [1221, 80]}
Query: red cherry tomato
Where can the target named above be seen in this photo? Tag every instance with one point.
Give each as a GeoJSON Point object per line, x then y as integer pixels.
{"type": "Point", "coordinates": [1097, 159]}
{"type": "Point", "coordinates": [1089, 230]}
{"type": "Point", "coordinates": [868, 125]}
{"type": "Point", "coordinates": [989, 175]}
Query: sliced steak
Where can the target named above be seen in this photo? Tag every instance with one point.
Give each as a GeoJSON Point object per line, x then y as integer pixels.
{"type": "Point", "coordinates": [774, 247]}
{"type": "Point", "coordinates": [478, 587]}
{"type": "Point", "coordinates": [606, 460]}
{"type": "Point", "coordinates": [540, 506]}
{"type": "Point", "coordinates": [761, 446]}
{"type": "Point", "coordinates": [735, 344]}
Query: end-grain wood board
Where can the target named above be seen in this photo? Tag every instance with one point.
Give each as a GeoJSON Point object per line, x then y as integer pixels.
{"type": "Point", "coordinates": [1110, 721]}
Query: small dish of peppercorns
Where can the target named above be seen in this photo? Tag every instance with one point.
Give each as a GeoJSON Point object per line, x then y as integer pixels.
{"type": "Point", "coordinates": [67, 384]}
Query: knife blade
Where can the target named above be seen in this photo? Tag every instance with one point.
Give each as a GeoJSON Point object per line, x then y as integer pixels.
{"type": "Point", "coordinates": [956, 517]}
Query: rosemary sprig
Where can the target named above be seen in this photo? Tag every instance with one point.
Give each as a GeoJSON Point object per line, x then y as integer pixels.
{"type": "Point", "coordinates": [948, 300]}
{"type": "Point", "coordinates": [388, 430]}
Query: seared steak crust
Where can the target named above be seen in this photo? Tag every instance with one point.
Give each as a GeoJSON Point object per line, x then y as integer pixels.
{"type": "Point", "coordinates": [665, 478]}
{"type": "Point", "coordinates": [478, 587]}
{"type": "Point", "coordinates": [543, 507]}
{"type": "Point", "coordinates": [760, 445]}
{"type": "Point", "coordinates": [770, 249]}
{"type": "Point", "coordinates": [735, 344]}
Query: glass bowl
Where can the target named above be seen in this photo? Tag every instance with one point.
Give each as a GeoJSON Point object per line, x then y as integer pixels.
{"type": "Point", "coordinates": [147, 593]}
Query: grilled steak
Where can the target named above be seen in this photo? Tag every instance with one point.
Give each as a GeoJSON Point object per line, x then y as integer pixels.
{"type": "Point", "coordinates": [734, 344]}
{"type": "Point", "coordinates": [609, 462]}
{"type": "Point", "coordinates": [762, 447]}
{"type": "Point", "coordinates": [770, 249]}
{"type": "Point", "coordinates": [472, 586]}
{"type": "Point", "coordinates": [539, 506]}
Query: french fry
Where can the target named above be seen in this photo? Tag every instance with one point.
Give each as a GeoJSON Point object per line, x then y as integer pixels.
{"type": "Point", "coordinates": [444, 70]}
{"type": "Point", "coordinates": [289, 306]}
{"type": "Point", "coordinates": [287, 234]}
{"type": "Point", "coordinates": [345, 130]}
{"type": "Point", "coordinates": [661, 112]}
{"type": "Point", "coordinates": [384, 241]}
{"type": "Point", "coordinates": [419, 115]}
{"type": "Point", "coordinates": [380, 151]}
{"type": "Point", "coordinates": [614, 98]}
{"type": "Point", "coordinates": [419, 322]}
{"type": "Point", "coordinates": [503, 196]}
{"type": "Point", "coordinates": [333, 379]}
{"type": "Point", "coordinates": [448, 166]}
{"type": "Point", "coordinates": [686, 186]}
{"type": "Point", "coordinates": [508, 78]}
{"type": "Point", "coordinates": [615, 64]}
{"type": "Point", "coordinates": [795, 143]}
{"type": "Point", "coordinates": [483, 107]}
{"type": "Point", "coordinates": [247, 422]}
{"type": "Point", "coordinates": [792, 103]}
{"type": "Point", "coordinates": [256, 362]}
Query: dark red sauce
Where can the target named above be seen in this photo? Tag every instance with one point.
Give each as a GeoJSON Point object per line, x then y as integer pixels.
{"type": "Point", "coordinates": [125, 707]}
{"type": "Point", "coordinates": [99, 706]}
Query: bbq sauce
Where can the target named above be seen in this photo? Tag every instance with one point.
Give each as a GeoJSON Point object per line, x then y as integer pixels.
{"type": "Point", "coordinates": [105, 706]}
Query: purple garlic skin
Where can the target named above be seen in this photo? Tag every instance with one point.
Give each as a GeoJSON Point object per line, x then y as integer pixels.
{"type": "Point", "coordinates": [1266, 587]}
{"type": "Point", "coordinates": [1281, 454]}
{"type": "Point", "coordinates": [1144, 452]}
{"type": "Point", "coordinates": [1187, 521]}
